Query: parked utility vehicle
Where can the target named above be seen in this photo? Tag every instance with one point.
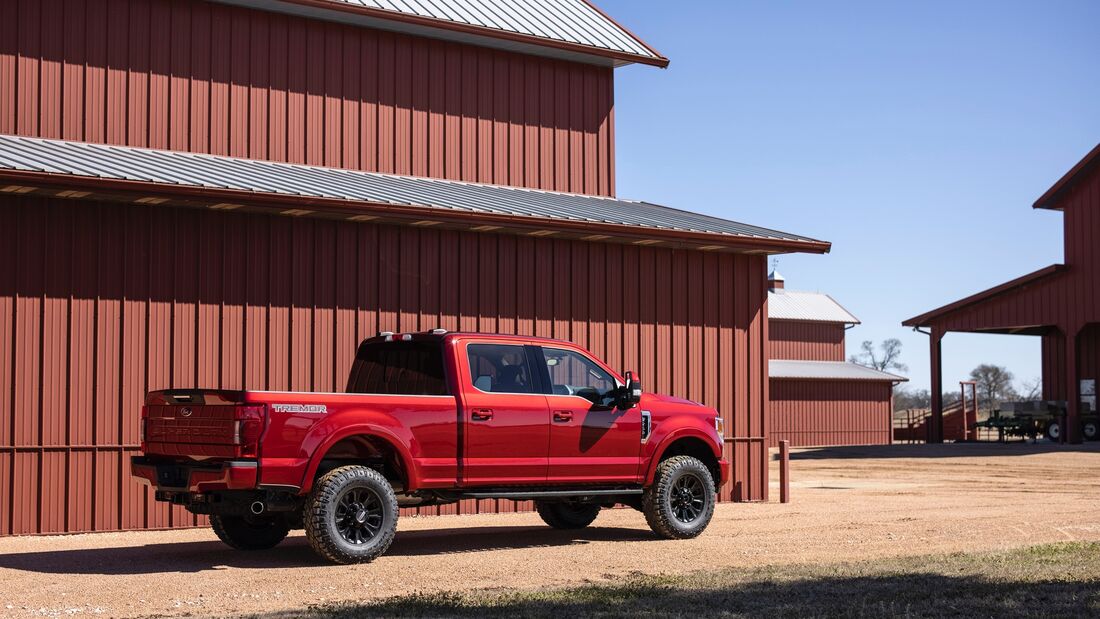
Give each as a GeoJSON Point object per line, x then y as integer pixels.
{"type": "Point", "coordinates": [428, 419]}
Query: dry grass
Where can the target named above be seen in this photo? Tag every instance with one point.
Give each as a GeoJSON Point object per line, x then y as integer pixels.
{"type": "Point", "coordinates": [1055, 580]}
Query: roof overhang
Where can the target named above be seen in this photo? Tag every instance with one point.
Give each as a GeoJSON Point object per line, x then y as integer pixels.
{"type": "Point", "coordinates": [430, 27]}
{"type": "Point", "coordinates": [1050, 199]}
{"type": "Point", "coordinates": [926, 319]}
{"type": "Point", "coordinates": [789, 369]}
{"type": "Point", "coordinates": [80, 170]}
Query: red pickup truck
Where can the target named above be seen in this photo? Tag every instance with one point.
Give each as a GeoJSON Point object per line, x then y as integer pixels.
{"type": "Point", "coordinates": [428, 419]}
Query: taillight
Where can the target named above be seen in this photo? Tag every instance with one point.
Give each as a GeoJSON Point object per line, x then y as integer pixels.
{"type": "Point", "coordinates": [247, 428]}
{"type": "Point", "coordinates": [141, 426]}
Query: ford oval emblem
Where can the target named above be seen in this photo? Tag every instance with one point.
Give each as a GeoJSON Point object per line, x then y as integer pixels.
{"type": "Point", "coordinates": [186, 412]}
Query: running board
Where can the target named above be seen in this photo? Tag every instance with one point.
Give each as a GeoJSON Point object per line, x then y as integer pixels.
{"type": "Point", "coordinates": [550, 494]}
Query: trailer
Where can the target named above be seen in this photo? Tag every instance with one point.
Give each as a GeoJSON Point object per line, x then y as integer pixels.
{"type": "Point", "coordinates": [1033, 418]}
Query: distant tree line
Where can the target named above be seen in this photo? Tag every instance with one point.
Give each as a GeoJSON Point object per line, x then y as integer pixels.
{"type": "Point", "coordinates": [995, 383]}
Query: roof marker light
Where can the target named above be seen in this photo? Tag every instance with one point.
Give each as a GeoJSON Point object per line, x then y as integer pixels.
{"type": "Point", "coordinates": [439, 331]}
{"type": "Point", "coordinates": [407, 337]}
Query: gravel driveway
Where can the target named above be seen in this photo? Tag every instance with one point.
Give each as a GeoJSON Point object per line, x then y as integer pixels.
{"type": "Point", "coordinates": [848, 504]}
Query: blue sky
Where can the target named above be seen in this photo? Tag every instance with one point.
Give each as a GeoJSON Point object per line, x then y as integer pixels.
{"type": "Point", "coordinates": [913, 135]}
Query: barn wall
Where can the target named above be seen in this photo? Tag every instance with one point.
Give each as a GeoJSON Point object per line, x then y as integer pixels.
{"type": "Point", "coordinates": [806, 341]}
{"type": "Point", "coordinates": [203, 77]}
{"type": "Point", "coordinates": [101, 302]}
{"type": "Point", "coordinates": [818, 412]}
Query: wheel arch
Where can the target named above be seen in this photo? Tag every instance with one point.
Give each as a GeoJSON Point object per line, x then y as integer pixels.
{"type": "Point", "coordinates": [363, 444]}
{"type": "Point", "coordinates": [687, 443]}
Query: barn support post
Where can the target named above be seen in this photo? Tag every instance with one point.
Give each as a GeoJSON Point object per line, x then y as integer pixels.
{"type": "Point", "coordinates": [935, 422]}
{"type": "Point", "coordinates": [1071, 433]}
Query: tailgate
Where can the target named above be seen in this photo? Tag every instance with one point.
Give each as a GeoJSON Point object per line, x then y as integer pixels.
{"type": "Point", "coordinates": [201, 424]}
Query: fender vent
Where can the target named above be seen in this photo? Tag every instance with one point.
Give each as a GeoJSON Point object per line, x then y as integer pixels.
{"type": "Point", "coordinates": [647, 425]}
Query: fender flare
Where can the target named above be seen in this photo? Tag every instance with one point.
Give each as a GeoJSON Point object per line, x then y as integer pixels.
{"type": "Point", "coordinates": [672, 437]}
{"type": "Point", "coordinates": [364, 429]}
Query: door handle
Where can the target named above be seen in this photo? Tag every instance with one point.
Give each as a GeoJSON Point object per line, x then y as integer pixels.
{"type": "Point", "coordinates": [481, 414]}
{"type": "Point", "coordinates": [561, 416]}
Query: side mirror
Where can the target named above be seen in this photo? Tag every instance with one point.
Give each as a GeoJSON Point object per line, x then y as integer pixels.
{"type": "Point", "coordinates": [631, 393]}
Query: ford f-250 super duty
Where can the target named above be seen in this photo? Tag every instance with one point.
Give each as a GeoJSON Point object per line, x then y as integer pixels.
{"type": "Point", "coordinates": [427, 419]}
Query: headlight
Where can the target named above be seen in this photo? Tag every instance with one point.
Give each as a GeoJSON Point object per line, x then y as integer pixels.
{"type": "Point", "coordinates": [720, 428]}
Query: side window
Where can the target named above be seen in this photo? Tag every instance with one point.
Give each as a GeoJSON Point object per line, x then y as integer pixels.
{"type": "Point", "coordinates": [500, 368]}
{"type": "Point", "coordinates": [398, 368]}
{"type": "Point", "coordinates": [572, 373]}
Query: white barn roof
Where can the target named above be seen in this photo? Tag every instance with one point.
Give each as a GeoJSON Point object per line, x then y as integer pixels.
{"type": "Point", "coordinates": [569, 29]}
{"type": "Point", "coordinates": [807, 307]}
{"type": "Point", "coordinates": [827, 370]}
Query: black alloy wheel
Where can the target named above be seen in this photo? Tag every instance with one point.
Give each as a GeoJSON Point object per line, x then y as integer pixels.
{"type": "Point", "coordinates": [359, 515]}
{"type": "Point", "coordinates": [688, 498]}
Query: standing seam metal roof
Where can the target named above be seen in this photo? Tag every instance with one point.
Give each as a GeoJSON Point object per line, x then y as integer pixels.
{"type": "Point", "coordinates": [827, 370]}
{"type": "Point", "coordinates": [171, 168]}
{"type": "Point", "coordinates": [808, 307]}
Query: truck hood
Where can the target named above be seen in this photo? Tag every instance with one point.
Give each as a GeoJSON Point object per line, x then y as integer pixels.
{"type": "Point", "coordinates": [668, 399]}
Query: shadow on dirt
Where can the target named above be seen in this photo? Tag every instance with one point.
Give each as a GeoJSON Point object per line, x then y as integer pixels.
{"type": "Point", "coordinates": [901, 595]}
{"type": "Point", "coordinates": [295, 551]}
{"type": "Point", "coordinates": [946, 450]}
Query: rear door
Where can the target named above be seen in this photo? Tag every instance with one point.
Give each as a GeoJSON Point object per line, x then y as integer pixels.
{"type": "Point", "coordinates": [591, 441]}
{"type": "Point", "coordinates": [507, 431]}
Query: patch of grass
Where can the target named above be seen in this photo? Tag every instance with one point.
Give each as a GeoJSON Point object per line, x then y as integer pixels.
{"type": "Point", "coordinates": [1054, 580]}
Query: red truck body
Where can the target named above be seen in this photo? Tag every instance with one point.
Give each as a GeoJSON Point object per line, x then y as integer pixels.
{"type": "Point", "coordinates": [537, 418]}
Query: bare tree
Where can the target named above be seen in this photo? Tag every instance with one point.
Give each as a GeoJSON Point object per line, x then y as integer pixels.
{"type": "Point", "coordinates": [1032, 389]}
{"type": "Point", "coordinates": [994, 384]}
{"type": "Point", "coordinates": [885, 358]}
{"type": "Point", "coordinates": [916, 399]}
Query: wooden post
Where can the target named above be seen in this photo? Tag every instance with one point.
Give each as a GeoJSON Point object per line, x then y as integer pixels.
{"type": "Point", "coordinates": [784, 471]}
{"type": "Point", "coordinates": [935, 421]}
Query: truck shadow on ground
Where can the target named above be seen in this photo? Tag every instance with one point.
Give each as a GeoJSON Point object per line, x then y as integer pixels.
{"type": "Point", "coordinates": [296, 552]}
{"type": "Point", "coordinates": [945, 450]}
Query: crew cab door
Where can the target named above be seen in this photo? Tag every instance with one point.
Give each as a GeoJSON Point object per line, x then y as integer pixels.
{"type": "Point", "coordinates": [507, 423]}
{"type": "Point", "coordinates": [591, 441]}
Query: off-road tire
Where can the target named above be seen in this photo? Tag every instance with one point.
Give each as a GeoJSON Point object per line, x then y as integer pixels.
{"type": "Point", "coordinates": [567, 515]}
{"type": "Point", "coordinates": [657, 501]}
{"type": "Point", "coordinates": [1089, 430]}
{"type": "Point", "coordinates": [324, 505]}
{"type": "Point", "coordinates": [250, 532]}
{"type": "Point", "coordinates": [1053, 431]}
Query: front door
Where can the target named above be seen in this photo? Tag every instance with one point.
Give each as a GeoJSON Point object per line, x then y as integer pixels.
{"type": "Point", "coordinates": [507, 424]}
{"type": "Point", "coordinates": [591, 441]}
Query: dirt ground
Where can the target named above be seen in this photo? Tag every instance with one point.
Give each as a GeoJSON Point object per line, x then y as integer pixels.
{"type": "Point", "coordinates": [847, 504]}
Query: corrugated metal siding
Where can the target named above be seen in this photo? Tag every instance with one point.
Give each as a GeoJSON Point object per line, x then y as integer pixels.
{"type": "Point", "coordinates": [571, 21]}
{"type": "Point", "coordinates": [199, 77]}
{"type": "Point", "coordinates": [818, 413]}
{"type": "Point", "coordinates": [104, 301]}
{"type": "Point", "coordinates": [810, 341]}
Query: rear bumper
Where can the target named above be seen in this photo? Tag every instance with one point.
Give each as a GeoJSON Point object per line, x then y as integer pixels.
{"type": "Point", "coordinates": [197, 477]}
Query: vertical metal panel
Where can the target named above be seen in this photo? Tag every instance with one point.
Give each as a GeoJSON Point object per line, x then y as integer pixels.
{"type": "Point", "coordinates": [806, 341]}
{"type": "Point", "coordinates": [815, 413]}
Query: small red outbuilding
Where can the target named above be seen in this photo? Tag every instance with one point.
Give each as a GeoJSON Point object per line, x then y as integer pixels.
{"type": "Point", "coordinates": [817, 397]}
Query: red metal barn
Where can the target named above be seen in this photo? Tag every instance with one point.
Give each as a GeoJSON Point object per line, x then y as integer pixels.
{"type": "Point", "coordinates": [212, 194]}
{"type": "Point", "coordinates": [817, 397]}
{"type": "Point", "coordinates": [1059, 303]}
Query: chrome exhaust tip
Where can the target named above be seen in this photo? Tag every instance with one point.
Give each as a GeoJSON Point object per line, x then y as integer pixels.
{"type": "Point", "coordinates": [257, 507]}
